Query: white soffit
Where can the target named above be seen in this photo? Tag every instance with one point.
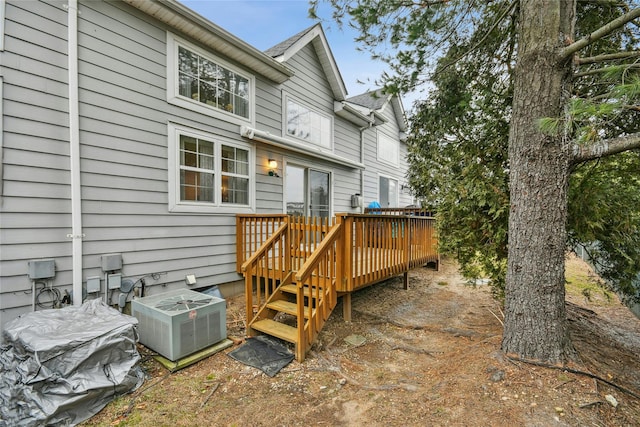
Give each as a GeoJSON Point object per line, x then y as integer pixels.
{"type": "Point", "coordinates": [183, 19]}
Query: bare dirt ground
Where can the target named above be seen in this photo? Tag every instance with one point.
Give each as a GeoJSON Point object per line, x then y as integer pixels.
{"type": "Point", "coordinates": [431, 356]}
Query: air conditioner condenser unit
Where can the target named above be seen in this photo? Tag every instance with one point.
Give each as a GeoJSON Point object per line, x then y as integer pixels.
{"type": "Point", "coordinates": [178, 323]}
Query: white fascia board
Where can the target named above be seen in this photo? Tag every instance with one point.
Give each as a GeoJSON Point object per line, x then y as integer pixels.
{"type": "Point", "coordinates": [188, 22]}
{"type": "Point", "coordinates": [319, 42]}
{"type": "Point", "coordinates": [353, 115]}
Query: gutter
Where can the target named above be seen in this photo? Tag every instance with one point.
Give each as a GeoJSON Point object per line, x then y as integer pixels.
{"type": "Point", "coordinates": [287, 144]}
{"type": "Point", "coordinates": [179, 17]}
{"type": "Point", "coordinates": [74, 154]}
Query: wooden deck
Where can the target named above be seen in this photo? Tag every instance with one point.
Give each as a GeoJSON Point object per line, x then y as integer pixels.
{"type": "Point", "coordinates": [306, 263]}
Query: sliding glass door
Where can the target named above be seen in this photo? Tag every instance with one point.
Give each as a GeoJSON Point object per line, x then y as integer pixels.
{"type": "Point", "coordinates": [307, 191]}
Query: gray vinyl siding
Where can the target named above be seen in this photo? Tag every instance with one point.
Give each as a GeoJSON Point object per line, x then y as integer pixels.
{"type": "Point", "coordinates": [375, 167]}
{"type": "Point", "coordinates": [124, 124]}
{"type": "Point", "coordinates": [124, 116]}
{"type": "Point", "coordinates": [310, 86]}
{"type": "Point", "coordinates": [35, 212]}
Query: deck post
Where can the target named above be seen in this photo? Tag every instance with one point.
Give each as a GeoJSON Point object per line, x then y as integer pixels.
{"type": "Point", "coordinates": [346, 307]}
{"type": "Point", "coordinates": [406, 280]}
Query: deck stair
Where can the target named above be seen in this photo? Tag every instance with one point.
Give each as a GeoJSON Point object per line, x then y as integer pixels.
{"type": "Point", "coordinates": [264, 322]}
{"type": "Point", "coordinates": [306, 295]}
{"type": "Point", "coordinates": [295, 268]}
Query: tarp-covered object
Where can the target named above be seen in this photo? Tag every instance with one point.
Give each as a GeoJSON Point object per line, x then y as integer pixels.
{"type": "Point", "coordinates": [61, 366]}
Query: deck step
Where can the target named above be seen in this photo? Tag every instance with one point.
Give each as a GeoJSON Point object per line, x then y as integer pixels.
{"type": "Point", "coordinates": [293, 289]}
{"type": "Point", "coordinates": [276, 329]}
{"type": "Point", "coordinates": [288, 307]}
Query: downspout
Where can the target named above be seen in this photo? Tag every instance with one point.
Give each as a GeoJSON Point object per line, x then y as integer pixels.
{"type": "Point", "coordinates": [362, 161]}
{"type": "Point", "coordinates": [74, 154]}
{"type": "Point", "coordinates": [362, 158]}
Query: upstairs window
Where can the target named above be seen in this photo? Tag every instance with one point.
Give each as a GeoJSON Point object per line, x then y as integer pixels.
{"type": "Point", "coordinates": [208, 84]}
{"type": "Point", "coordinates": [307, 124]}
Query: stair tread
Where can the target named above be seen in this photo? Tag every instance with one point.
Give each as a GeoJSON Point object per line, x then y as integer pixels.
{"type": "Point", "coordinates": [287, 307]}
{"type": "Point", "coordinates": [277, 329]}
{"type": "Point", "coordinates": [293, 289]}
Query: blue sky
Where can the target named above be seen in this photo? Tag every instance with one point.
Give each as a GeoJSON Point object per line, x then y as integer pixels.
{"type": "Point", "coordinates": [265, 23]}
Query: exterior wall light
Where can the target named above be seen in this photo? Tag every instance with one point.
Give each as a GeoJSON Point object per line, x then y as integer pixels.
{"type": "Point", "coordinates": [273, 167]}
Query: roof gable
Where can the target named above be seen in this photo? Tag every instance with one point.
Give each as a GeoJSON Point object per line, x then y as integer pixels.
{"type": "Point", "coordinates": [315, 36]}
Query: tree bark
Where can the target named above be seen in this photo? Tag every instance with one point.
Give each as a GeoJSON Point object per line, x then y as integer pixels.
{"type": "Point", "coordinates": [535, 315]}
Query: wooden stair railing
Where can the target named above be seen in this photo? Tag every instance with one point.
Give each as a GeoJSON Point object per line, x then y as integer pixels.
{"type": "Point", "coordinates": [308, 298]}
{"type": "Point", "coordinates": [316, 284]}
{"type": "Point", "coordinates": [269, 266]}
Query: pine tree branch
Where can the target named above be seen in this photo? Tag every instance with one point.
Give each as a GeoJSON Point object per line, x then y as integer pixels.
{"type": "Point", "coordinates": [605, 148]}
{"type": "Point", "coordinates": [608, 57]}
{"type": "Point", "coordinates": [601, 32]}
{"type": "Point", "coordinates": [486, 35]}
{"type": "Point", "coordinates": [605, 2]}
{"type": "Point", "coordinates": [601, 70]}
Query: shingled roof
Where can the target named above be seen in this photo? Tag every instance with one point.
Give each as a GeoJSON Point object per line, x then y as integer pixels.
{"type": "Point", "coordinates": [282, 47]}
{"type": "Point", "coordinates": [315, 36]}
{"type": "Point", "coordinates": [373, 100]}
{"type": "Point", "coordinates": [377, 100]}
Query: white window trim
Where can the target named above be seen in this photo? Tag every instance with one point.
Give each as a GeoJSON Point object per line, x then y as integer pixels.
{"type": "Point", "coordinates": [173, 94]}
{"type": "Point", "coordinates": [177, 205]}
{"type": "Point", "coordinates": [380, 135]}
{"type": "Point", "coordinates": [285, 97]}
{"type": "Point", "coordinates": [391, 178]}
{"type": "Point", "coordinates": [307, 165]}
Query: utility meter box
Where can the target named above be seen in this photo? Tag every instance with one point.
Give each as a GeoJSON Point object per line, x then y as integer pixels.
{"type": "Point", "coordinates": [356, 201]}
{"type": "Point", "coordinates": [111, 262]}
{"type": "Point", "coordinates": [42, 269]}
{"type": "Point", "coordinates": [93, 284]}
{"type": "Point", "coordinates": [114, 281]}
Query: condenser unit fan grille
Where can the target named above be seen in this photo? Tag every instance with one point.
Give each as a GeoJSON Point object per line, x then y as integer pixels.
{"type": "Point", "coordinates": [180, 303]}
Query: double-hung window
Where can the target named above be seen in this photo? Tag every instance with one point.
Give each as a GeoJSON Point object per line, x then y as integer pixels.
{"type": "Point", "coordinates": [208, 173]}
{"type": "Point", "coordinates": [202, 82]}
{"type": "Point", "coordinates": [307, 124]}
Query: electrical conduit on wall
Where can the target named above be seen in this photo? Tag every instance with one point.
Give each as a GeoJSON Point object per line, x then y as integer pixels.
{"type": "Point", "coordinates": [74, 153]}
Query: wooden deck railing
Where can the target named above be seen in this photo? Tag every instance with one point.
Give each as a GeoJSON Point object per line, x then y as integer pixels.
{"type": "Point", "coordinates": [252, 231]}
{"type": "Point", "coordinates": [399, 211]}
{"type": "Point", "coordinates": [304, 234]}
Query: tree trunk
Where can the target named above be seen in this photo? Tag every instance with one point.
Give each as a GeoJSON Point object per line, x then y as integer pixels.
{"type": "Point", "coordinates": [535, 316]}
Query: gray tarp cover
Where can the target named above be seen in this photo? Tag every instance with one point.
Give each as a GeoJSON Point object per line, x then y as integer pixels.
{"type": "Point", "coordinates": [60, 367]}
